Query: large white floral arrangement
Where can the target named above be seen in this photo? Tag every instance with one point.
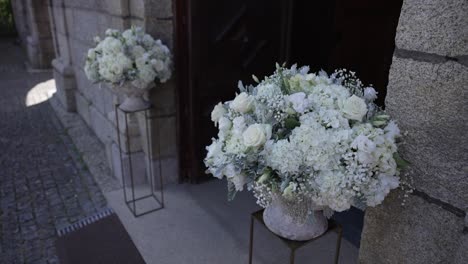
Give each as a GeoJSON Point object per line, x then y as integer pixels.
{"type": "Point", "coordinates": [128, 56]}
{"type": "Point", "coordinates": [308, 137]}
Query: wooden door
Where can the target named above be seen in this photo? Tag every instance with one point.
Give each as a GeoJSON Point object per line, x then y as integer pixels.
{"type": "Point", "coordinates": [221, 42]}
{"type": "Point", "coordinates": [358, 35]}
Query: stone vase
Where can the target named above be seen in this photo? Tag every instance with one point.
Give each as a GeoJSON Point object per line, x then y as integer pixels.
{"type": "Point", "coordinates": [293, 221]}
{"type": "Point", "coordinates": [134, 100]}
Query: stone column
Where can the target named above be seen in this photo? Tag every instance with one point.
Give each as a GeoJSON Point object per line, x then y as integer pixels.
{"type": "Point", "coordinates": [426, 94]}
{"type": "Point", "coordinates": [64, 73]}
{"type": "Point", "coordinates": [159, 23]}
{"type": "Point", "coordinates": [21, 20]}
{"type": "Point", "coordinates": [39, 45]}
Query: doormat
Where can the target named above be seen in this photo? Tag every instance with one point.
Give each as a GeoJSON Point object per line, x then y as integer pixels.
{"type": "Point", "coordinates": [97, 239]}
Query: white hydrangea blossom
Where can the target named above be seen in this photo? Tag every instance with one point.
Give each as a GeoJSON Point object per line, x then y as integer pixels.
{"type": "Point", "coordinates": [283, 156]}
{"type": "Point", "coordinates": [312, 138]}
{"type": "Point", "coordinates": [128, 56]}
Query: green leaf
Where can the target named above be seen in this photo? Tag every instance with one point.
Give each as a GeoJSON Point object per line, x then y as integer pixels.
{"type": "Point", "coordinates": [401, 163]}
{"type": "Point", "coordinates": [291, 123]}
{"type": "Point", "coordinates": [231, 191]}
{"type": "Point", "coordinates": [284, 184]}
{"type": "Point", "coordinates": [255, 78]}
{"type": "Point", "coordinates": [281, 134]}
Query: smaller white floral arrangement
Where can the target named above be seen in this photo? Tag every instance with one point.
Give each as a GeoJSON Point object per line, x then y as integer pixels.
{"type": "Point", "coordinates": [314, 139]}
{"type": "Point", "coordinates": [128, 56]}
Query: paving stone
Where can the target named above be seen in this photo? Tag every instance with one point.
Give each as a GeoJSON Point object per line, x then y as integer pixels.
{"type": "Point", "coordinates": [25, 217]}
{"type": "Point", "coordinates": [41, 189]}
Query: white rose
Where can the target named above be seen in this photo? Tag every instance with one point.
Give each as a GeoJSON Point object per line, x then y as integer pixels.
{"type": "Point", "coordinates": [256, 135]}
{"type": "Point", "coordinates": [243, 103]}
{"type": "Point", "coordinates": [218, 112]}
{"type": "Point", "coordinates": [299, 102]}
{"type": "Point", "coordinates": [354, 108]}
{"type": "Point", "coordinates": [370, 94]}
{"type": "Point", "coordinates": [224, 124]}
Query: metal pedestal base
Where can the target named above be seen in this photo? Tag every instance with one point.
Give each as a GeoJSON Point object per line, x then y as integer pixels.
{"type": "Point", "coordinates": [150, 198]}
{"type": "Point", "coordinates": [291, 244]}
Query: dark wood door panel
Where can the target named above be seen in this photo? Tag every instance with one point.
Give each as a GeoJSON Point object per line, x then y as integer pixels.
{"type": "Point", "coordinates": [230, 41]}
{"type": "Point", "coordinates": [355, 34]}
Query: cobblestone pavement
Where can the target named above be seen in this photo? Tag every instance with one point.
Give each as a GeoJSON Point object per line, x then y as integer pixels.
{"type": "Point", "coordinates": [44, 185]}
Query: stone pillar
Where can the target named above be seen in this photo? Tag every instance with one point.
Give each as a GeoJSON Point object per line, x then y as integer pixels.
{"type": "Point", "coordinates": [21, 20]}
{"type": "Point", "coordinates": [39, 44]}
{"type": "Point", "coordinates": [64, 73]}
{"type": "Point", "coordinates": [159, 23]}
{"type": "Point", "coordinates": [132, 143]}
{"type": "Point", "coordinates": [426, 94]}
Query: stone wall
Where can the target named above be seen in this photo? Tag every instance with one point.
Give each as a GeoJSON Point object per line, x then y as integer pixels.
{"type": "Point", "coordinates": [427, 94]}
{"type": "Point", "coordinates": [75, 23]}
{"type": "Point", "coordinates": [33, 25]}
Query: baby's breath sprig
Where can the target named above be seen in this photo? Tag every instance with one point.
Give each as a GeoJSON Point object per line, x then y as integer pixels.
{"type": "Point", "coordinates": [349, 79]}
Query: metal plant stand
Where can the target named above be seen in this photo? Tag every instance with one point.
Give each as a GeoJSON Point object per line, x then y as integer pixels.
{"type": "Point", "coordinates": [291, 244]}
{"type": "Point", "coordinates": [139, 196]}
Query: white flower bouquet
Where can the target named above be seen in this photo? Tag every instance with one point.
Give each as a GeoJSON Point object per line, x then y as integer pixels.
{"type": "Point", "coordinates": [128, 56]}
{"type": "Point", "coordinates": [314, 139]}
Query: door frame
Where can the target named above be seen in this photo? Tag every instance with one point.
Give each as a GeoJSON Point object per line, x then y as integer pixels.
{"type": "Point", "coordinates": [184, 83]}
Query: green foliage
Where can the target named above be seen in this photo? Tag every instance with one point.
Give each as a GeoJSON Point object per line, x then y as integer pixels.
{"type": "Point", "coordinates": [231, 191]}
{"type": "Point", "coordinates": [291, 123]}
{"type": "Point", "coordinates": [7, 24]}
{"type": "Point", "coordinates": [401, 163]}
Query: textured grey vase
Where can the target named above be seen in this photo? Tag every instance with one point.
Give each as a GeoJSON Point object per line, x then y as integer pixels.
{"type": "Point", "coordinates": [133, 97]}
{"type": "Point", "coordinates": [288, 220]}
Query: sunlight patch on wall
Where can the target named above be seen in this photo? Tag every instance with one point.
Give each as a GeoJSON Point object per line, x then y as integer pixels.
{"type": "Point", "coordinates": [41, 92]}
